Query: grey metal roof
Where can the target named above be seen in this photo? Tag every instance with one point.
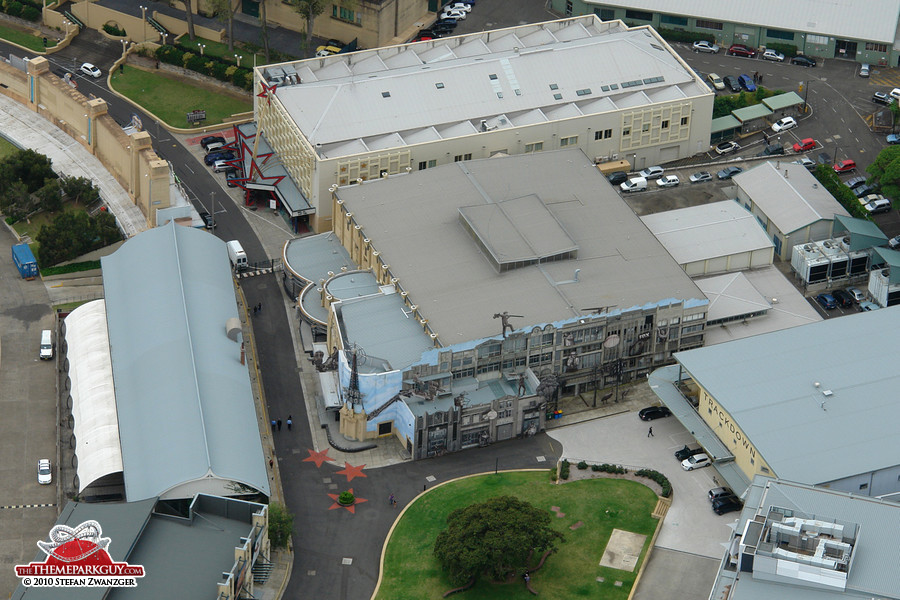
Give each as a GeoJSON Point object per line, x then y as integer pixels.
{"type": "Point", "coordinates": [313, 257]}
{"type": "Point", "coordinates": [876, 554]}
{"type": "Point", "coordinates": [401, 95]}
{"type": "Point", "coordinates": [767, 384]}
{"type": "Point", "coordinates": [413, 220]}
{"type": "Point", "coordinates": [731, 295]}
{"type": "Point", "coordinates": [707, 231]}
{"type": "Point", "coordinates": [781, 101]}
{"type": "Point", "coordinates": [789, 195]}
{"type": "Point", "coordinates": [749, 113]}
{"type": "Point", "coordinates": [725, 123]}
{"type": "Point", "coordinates": [863, 233]}
{"type": "Point", "coordinates": [186, 411]}
{"type": "Point", "coordinates": [842, 18]}
{"type": "Point", "coordinates": [891, 258]}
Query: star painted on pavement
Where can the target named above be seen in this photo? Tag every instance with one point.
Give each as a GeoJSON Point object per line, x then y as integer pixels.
{"type": "Point", "coordinates": [351, 507]}
{"type": "Point", "coordinates": [350, 471]}
{"type": "Point", "coordinates": [318, 457]}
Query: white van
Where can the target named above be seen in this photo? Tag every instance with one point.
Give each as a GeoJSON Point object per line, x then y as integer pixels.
{"type": "Point", "coordinates": [46, 345]}
{"type": "Point", "coordinates": [635, 184]}
{"type": "Point", "coordinates": [236, 255]}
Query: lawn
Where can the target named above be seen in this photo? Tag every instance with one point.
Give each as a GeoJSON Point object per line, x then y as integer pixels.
{"type": "Point", "coordinates": [22, 38]}
{"type": "Point", "coordinates": [221, 50]}
{"type": "Point", "coordinates": [412, 573]}
{"type": "Point", "coordinates": [7, 147]}
{"type": "Point", "coordinates": [171, 98]}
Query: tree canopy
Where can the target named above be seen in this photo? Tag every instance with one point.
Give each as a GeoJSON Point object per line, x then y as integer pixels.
{"type": "Point", "coordinates": [493, 539]}
{"type": "Point", "coordinates": [75, 233]}
{"type": "Point", "coordinates": [885, 169]}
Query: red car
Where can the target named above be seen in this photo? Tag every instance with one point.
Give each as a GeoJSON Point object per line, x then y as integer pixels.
{"type": "Point", "coordinates": [739, 50]}
{"type": "Point", "coordinates": [804, 145]}
{"type": "Point", "coordinates": [845, 166]}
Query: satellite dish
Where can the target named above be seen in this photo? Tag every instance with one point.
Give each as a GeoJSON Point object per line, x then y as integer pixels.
{"type": "Point", "coordinates": [491, 415]}
{"type": "Point", "coordinates": [612, 341]}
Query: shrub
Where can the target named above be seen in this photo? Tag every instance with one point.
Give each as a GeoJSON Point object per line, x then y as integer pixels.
{"type": "Point", "coordinates": [788, 50]}
{"type": "Point", "coordinates": [659, 478]}
{"type": "Point", "coordinates": [171, 55]}
{"type": "Point", "coordinates": [831, 182]}
{"type": "Point", "coordinates": [675, 35]}
{"type": "Point", "coordinates": [14, 9]}
{"type": "Point", "coordinates": [564, 469]}
{"type": "Point", "coordinates": [113, 29]}
{"type": "Point", "coordinates": [346, 498]}
{"type": "Point", "coordinates": [582, 466]}
{"type": "Point", "coordinates": [281, 523]}
{"type": "Point", "coordinates": [89, 265]}
{"type": "Point", "coordinates": [552, 469]}
{"type": "Point", "coordinates": [30, 13]}
{"type": "Point", "coordinates": [219, 71]}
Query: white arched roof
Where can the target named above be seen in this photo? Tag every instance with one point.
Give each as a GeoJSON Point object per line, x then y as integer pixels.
{"type": "Point", "coordinates": [93, 395]}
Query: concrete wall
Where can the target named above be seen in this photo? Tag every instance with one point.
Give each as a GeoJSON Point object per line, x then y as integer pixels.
{"type": "Point", "coordinates": [137, 28]}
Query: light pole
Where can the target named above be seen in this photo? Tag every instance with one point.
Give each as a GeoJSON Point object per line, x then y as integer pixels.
{"type": "Point", "coordinates": [238, 59]}
{"type": "Point", "coordinates": [143, 13]}
{"type": "Point", "coordinates": [201, 46]}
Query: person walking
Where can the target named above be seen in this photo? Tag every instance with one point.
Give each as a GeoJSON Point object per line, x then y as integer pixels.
{"type": "Point", "coordinates": [650, 432]}
{"type": "Point", "coordinates": [279, 424]}
{"type": "Point", "coordinates": [274, 424]}
{"type": "Point", "coordinates": [392, 501]}
{"type": "Point", "coordinates": [290, 422]}
{"type": "Point", "coordinates": [271, 463]}
{"type": "Point", "coordinates": [259, 307]}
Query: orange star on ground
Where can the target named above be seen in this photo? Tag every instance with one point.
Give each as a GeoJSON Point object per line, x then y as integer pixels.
{"type": "Point", "coordinates": [350, 471]}
{"type": "Point", "coordinates": [318, 457]}
{"type": "Point", "coordinates": [351, 507]}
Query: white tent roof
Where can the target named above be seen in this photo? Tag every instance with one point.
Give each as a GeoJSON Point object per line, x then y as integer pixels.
{"type": "Point", "coordinates": [93, 396]}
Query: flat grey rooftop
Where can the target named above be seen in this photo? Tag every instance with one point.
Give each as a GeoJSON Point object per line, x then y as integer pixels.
{"type": "Point", "coordinates": [767, 384]}
{"type": "Point", "coordinates": [457, 287]}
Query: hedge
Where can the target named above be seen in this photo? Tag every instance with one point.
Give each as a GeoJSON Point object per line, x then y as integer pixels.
{"type": "Point", "coordinates": [659, 478]}
{"type": "Point", "coordinates": [831, 182]}
{"type": "Point", "coordinates": [211, 66]}
{"type": "Point", "coordinates": [789, 50]}
{"type": "Point", "coordinates": [676, 35]}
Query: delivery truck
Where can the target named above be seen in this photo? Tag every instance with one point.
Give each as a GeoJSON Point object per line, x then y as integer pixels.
{"type": "Point", "coordinates": [236, 255]}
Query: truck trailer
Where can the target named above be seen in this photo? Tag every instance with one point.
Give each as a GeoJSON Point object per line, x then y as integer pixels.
{"type": "Point", "coordinates": [24, 261]}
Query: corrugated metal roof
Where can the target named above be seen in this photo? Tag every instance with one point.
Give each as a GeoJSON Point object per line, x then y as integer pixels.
{"type": "Point", "coordinates": [725, 123]}
{"type": "Point", "coordinates": [874, 21]}
{"type": "Point", "coordinates": [788, 195]}
{"type": "Point", "coordinates": [781, 101]}
{"type": "Point", "coordinates": [483, 76]}
{"type": "Point", "coordinates": [766, 383]}
{"type": "Point", "coordinates": [707, 231]}
{"type": "Point", "coordinates": [413, 220]}
{"type": "Point", "coordinates": [731, 295]}
{"type": "Point", "coordinates": [749, 113]}
{"type": "Point", "coordinates": [863, 233]}
{"type": "Point", "coordinates": [185, 406]}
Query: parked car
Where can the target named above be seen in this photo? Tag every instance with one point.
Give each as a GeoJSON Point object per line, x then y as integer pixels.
{"type": "Point", "coordinates": [826, 301]}
{"type": "Point", "coordinates": [719, 492]}
{"type": "Point", "coordinates": [697, 461]}
{"type": "Point", "coordinates": [220, 166]}
{"type": "Point", "coordinates": [810, 165]}
{"type": "Point", "coordinates": [463, 6]}
{"type": "Point", "coordinates": [863, 190]}
{"type": "Point", "coordinates": [651, 172]}
{"type": "Point", "coordinates": [843, 299]}
{"type": "Point", "coordinates": [784, 124]}
{"type": "Point", "coordinates": [895, 93]}
{"type": "Point", "coordinates": [635, 184]}
{"type": "Point", "coordinates": [45, 474]}
{"type": "Point", "coordinates": [701, 177]}
{"type": "Point", "coordinates": [685, 452]}
{"type": "Point", "coordinates": [878, 206]}
{"type": "Point", "coordinates": [441, 29]}
{"type": "Point", "coordinates": [857, 294]}
{"type": "Point", "coordinates": [773, 55]}
{"type": "Point", "coordinates": [845, 166]}
{"type": "Point", "coordinates": [823, 158]}
{"type": "Point", "coordinates": [654, 412]}
{"type": "Point", "coordinates": [804, 145]}
{"type": "Point", "coordinates": [892, 138]}
{"type": "Point", "coordinates": [729, 172]}
{"type": "Point", "coordinates": [866, 306]}
{"type": "Point", "coordinates": [727, 504]}
{"type": "Point", "coordinates": [668, 181]}
{"type": "Point", "coordinates": [893, 243]}
{"type": "Point", "coordinates": [211, 139]}
{"type": "Point", "coordinates": [716, 81]}
{"type": "Point", "coordinates": [741, 50]}
{"type": "Point", "coordinates": [731, 82]}
{"type": "Point", "coordinates": [747, 83]}
{"type": "Point", "coordinates": [803, 61]}
{"type": "Point", "coordinates": [326, 50]}
{"type": "Point", "coordinates": [459, 15]}
{"type": "Point", "coordinates": [869, 198]}
{"type": "Point", "coordinates": [211, 159]}
{"type": "Point", "coordinates": [89, 69]}
{"type": "Point", "coordinates": [772, 150]}
{"type": "Point", "coordinates": [617, 177]}
{"type": "Point", "coordinates": [727, 147]}
{"type": "Point", "coordinates": [882, 98]}
{"type": "Point", "coordinates": [864, 70]}
{"type": "Point", "coordinates": [855, 182]}
{"type": "Point", "coordinates": [207, 220]}
{"type": "Point", "coordinates": [704, 46]}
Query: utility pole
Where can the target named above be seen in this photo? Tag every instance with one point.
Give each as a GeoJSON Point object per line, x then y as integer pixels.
{"type": "Point", "coordinates": [212, 210]}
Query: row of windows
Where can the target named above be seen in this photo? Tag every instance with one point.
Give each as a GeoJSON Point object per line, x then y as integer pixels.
{"type": "Point", "coordinates": [876, 47]}
{"type": "Point", "coordinates": [345, 14]}
{"type": "Point", "coordinates": [626, 131]}
{"type": "Point", "coordinates": [780, 34]}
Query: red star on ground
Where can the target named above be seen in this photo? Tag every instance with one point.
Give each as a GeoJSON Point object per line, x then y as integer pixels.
{"type": "Point", "coordinates": [318, 457]}
{"type": "Point", "coordinates": [350, 471]}
{"type": "Point", "coordinates": [352, 507]}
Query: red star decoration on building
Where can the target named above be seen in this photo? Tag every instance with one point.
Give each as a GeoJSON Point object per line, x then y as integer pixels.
{"type": "Point", "coordinates": [318, 457]}
{"type": "Point", "coordinates": [350, 471]}
{"type": "Point", "coordinates": [351, 507]}
{"type": "Point", "coordinates": [267, 90]}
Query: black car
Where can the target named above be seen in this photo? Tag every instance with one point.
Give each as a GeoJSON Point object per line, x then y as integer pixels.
{"type": "Point", "coordinates": [207, 220]}
{"type": "Point", "coordinates": [843, 299]}
{"type": "Point", "coordinates": [882, 98]}
{"type": "Point", "coordinates": [727, 504]}
{"type": "Point", "coordinates": [617, 177]}
{"type": "Point", "coordinates": [729, 172]}
{"type": "Point", "coordinates": [855, 182]}
{"type": "Point", "coordinates": [210, 159]}
{"type": "Point", "coordinates": [824, 159]}
{"type": "Point", "coordinates": [771, 150]}
{"type": "Point", "coordinates": [803, 61]}
{"type": "Point", "coordinates": [863, 190]}
{"type": "Point", "coordinates": [442, 28]}
{"type": "Point", "coordinates": [686, 452]}
{"type": "Point", "coordinates": [211, 139]}
{"type": "Point", "coordinates": [654, 412]}
{"type": "Point", "coordinates": [732, 83]}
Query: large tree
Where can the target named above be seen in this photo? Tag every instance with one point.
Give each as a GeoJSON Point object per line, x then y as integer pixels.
{"type": "Point", "coordinates": [494, 539]}
{"type": "Point", "coordinates": [189, 17]}
{"type": "Point", "coordinates": [309, 10]}
{"type": "Point", "coordinates": [224, 11]}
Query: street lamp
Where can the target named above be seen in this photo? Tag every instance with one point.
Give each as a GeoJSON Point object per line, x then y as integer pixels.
{"type": "Point", "coordinates": [201, 46]}
{"type": "Point", "coordinates": [164, 37]}
{"type": "Point", "coordinates": [143, 13]}
{"type": "Point", "coordinates": [238, 59]}
{"type": "Point", "coordinates": [66, 23]}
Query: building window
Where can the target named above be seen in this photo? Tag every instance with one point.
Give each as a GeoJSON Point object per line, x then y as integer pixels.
{"type": "Point", "coordinates": [345, 14]}
{"type": "Point", "coordinates": [534, 147]}
{"type": "Point", "coordinates": [673, 20]}
{"type": "Point", "coordinates": [568, 141]}
{"type": "Point", "coordinates": [876, 47]}
{"type": "Point", "coordinates": [645, 127]}
{"type": "Point", "coordinates": [568, 8]}
{"type": "Point", "coordinates": [457, 158]}
{"type": "Point", "coordinates": [423, 165]}
{"type": "Point", "coordinates": [664, 124]}
{"type": "Point", "coordinates": [780, 34]}
{"type": "Point", "coordinates": [432, 163]}
{"type": "Point", "coordinates": [467, 156]}
{"type": "Point", "coordinates": [605, 14]}
{"type": "Point", "coordinates": [864, 486]}
{"type": "Point", "coordinates": [816, 39]}
{"type": "Point", "coordinates": [598, 135]}
{"type": "Point", "coordinates": [638, 15]}
{"type": "Point", "coordinates": [717, 25]}
{"type": "Point", "coordinates": [684, 121]}
{"type": "Point", "coordinates": [607, 133]}
{"type": "Point", "coordinates": [626, 131]}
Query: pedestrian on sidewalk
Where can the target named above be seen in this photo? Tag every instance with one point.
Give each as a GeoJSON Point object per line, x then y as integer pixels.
{"type": "Point", "coordinates": [290, 422]}
{"type": "Point", "coordinates": [254, 309]}
{"type": "Point", "coordinates": [650, 432]}
{"type": "Point", "coordinates": [760, 79]}
{"type": "Point", "coordinates": [271, 463]}
{"type": "Point", "coordinates": [392, 501]}
{"type": "Point", "coordinates": [279, 424]}
{"type": "Point", "coordinates": [274, 424]}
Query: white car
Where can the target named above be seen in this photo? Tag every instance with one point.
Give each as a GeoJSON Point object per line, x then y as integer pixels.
{"type": "Point", "coordinates": [704, 46]}
{"type": "Point", "coordinates": [89, 69]}
{"type": "Point", "coordinates": [784, 124]}
{"type": "Point", "coordinates": [45, 475]}
{"type": "Point", "coordinates": [456, 14]}
{"type": "Point", "coordinates": [773, 55]}
{"type": "Point", "coordinates": [895, 93]}
{"type": "Point", "coordinates": [697, 461]}
{"type": "Point", "coordinates": [221, 165]}
{"type": "Point", "coordinates": [857, 294]}
{"type": "Point", "coordinates": [651, 172]}
{"type": "Point", "coordinates": [459, 6]}
{"type": "Point", "coordinates": [668, 181]}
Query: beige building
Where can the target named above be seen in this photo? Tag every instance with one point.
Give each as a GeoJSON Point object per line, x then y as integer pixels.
{"type": "Point", "coordinates": [612, 91]}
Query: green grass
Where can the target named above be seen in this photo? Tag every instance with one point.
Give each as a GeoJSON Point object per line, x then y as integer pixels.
{"type": "Point", "coordinates": [171, 98]}
{"type": "Point", "coordinates": [221, 50]}
{"type": "Point", "coordinates": [33, 226]}
{"type": "Point", "coordinates": [412, 573]}
{"type": "Point", "coordinates": [7, 147]}
{"type": "Point", "coordinates": [22, 38]}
